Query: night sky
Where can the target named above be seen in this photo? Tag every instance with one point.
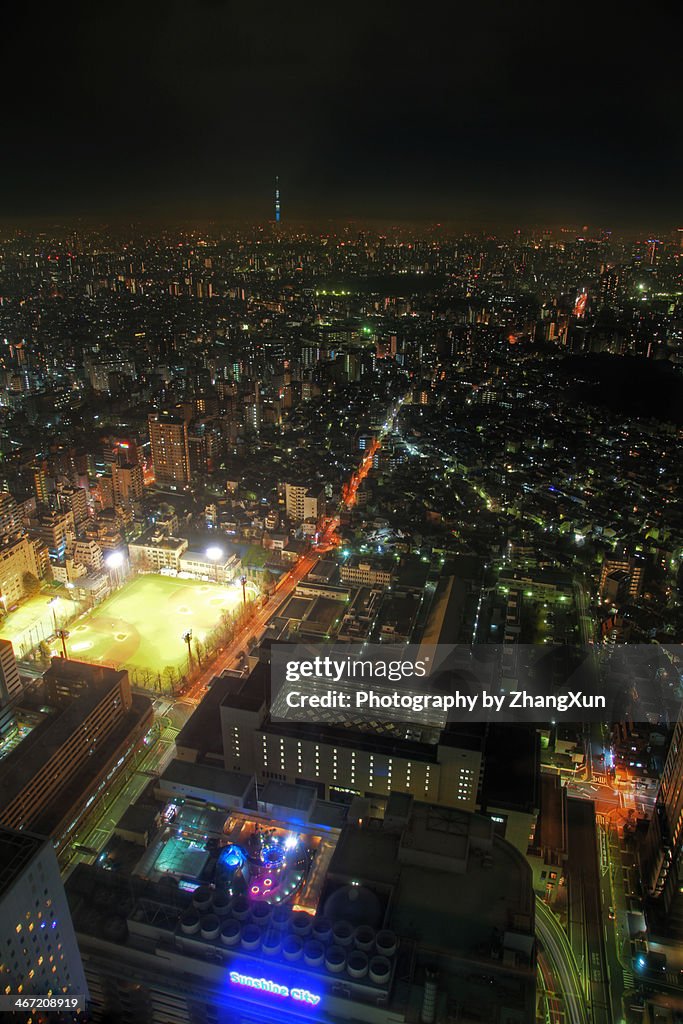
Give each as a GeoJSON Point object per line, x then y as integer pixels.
{"type": "Point", "coordinates": [499, 114]}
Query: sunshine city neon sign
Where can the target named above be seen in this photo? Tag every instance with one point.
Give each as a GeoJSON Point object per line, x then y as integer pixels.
{"type": "Point", "coordinates": [272, 988]}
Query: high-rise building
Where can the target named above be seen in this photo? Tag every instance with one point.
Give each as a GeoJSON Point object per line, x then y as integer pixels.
{"type": "Point", "coordinates": [170, 451]}
{"type": "Point", "coordinates": [40, 485]}
{"type": "Point", "coordinates": [123, 451]}
{"type": "Point", "coordinates": [198, 448]}
{"type": "Point", "coordinates": [18, 556]}
{"type": "Point", "coordinates": [88, 553]}
{"type": "Point", "coordinates": [105, 491]}
{"type": "Point", "coordinates": [10, 519]}
{"type": "Point", "coordinates": [39, 953]}
{"type": "Point", "coordinates": [611, 285]}
{"type": "Point", "coordinates": [10, 681]}
{"type": "Point", "coordinates": [622, 563]}
{"type": "Point", "coordinates": [90, 723]}
{"type": "Point", "coordinates": [302, 505]}
{"type": "Point", "coordinates": [102, 373]}
{"type": "Point", "coordinates": [127, 483]}
{"type": "Point", "coordinates": [56, 530]}
{"type": "Point", "coordinates": [252, 415]}
{"type": "Point", "coordinates": [72, 499]}
{"type": "Point", "coordinates": [662, 847]}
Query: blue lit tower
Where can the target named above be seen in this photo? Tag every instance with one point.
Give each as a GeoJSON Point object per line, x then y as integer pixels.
{"type": "Point", "coordinates": [277, 199]}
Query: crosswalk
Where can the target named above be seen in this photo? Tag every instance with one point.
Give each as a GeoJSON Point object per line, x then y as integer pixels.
{"type": "Point", "coordinates": [629, 981]}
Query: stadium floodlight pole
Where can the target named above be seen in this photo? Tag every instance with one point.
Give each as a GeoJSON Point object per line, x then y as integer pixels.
{"type": "Point", "coordinates": [63, 634]}
{"type": "Point", "coordinates": [52, 602]}
{"type": "Point", "coordinates": [187, 637]}
{"type": "Point", "coordinates": [114, 560]}
{"type": "Point", "coordinates": [214, 554]}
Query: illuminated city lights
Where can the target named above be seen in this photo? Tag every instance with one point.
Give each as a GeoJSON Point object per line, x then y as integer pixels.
{"type": "Point", "coordinates": [443, 438]}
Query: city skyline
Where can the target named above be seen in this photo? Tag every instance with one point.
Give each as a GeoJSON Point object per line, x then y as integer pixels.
{"type": "Point", "coordinates": [219, 445]}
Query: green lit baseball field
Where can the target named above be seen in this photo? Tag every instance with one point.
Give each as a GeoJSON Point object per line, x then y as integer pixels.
{"type": "Point", "coordinates": [141, 626]}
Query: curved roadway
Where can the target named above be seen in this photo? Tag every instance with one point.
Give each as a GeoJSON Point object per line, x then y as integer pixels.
{"type": "Point", "coordinates": [559, 953]}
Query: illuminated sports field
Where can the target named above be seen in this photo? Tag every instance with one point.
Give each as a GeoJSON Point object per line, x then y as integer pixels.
{"type": "Point", "coordinates": [33, 620]}
{"type": "Point", "coordinates": [141, 626]}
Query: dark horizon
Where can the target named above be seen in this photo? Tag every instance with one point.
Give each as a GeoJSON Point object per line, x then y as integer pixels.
{"type": "Point", "coordinates": [488, 117]}
{"type": "Point", "coordinates": [173, 220]}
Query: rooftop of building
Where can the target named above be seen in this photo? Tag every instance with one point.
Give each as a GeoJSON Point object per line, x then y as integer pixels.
{"type": "Point", "coordinates": [548, 575]}
{"type": "Point", "coordinates": [445, 618]}
{"type": "Point", "coordinates": [251, 693]}
{"type": "Point", "coordinates": [164, 416]}
{"type": "Point", "coordinates": [17, 850]}
{"type": "Point", "coordinates": [440, 880]}
{"type": "Point", "coordinates": [619, 575]}
{"type": "Point", "coordinates": [202, 731]}
{"type": "Point", "coordinates": [412, 573]}
{"type": "Point", "coordinates": [234, 786]}
{"type": "Point", "coordinates": [455, 884]}
{"type": "Point", "coordinates": [287, 795]}
{"type": "Point", "coordinates": [399, 612]}
{"type": "Point", "coordinates": [551, 829]}
{"type": "Point", "coordinates": [138, 818]}
{"type": "Point", "coordinates": [199, 555]}
{"type": "Point", "coordinates": [153, 538]}
{"type": "Point", "coordinates": [375, 563]}
{"type": "Point", "coordinates": [12, 539]}
{"type": "Point", "coordinates": [49, 735]}
{"type": "Point", "coordinates": [73, 792]}
{"type": "Point", "coordinates": [510, 780]}
{"type": "Point", "coordinates": [93, 581]}
{"type": "Point", "coordinates": [323, 571]}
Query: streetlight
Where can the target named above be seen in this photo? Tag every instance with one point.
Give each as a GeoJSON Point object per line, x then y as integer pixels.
{"type": "Point", "coordinates": [214, 554]}
{"type": "Point", "coordinates": [243, 581]}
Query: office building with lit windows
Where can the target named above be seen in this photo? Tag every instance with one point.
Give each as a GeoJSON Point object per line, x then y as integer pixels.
{"type": "Point", "coordinates": [304, 504]}
{"type": "Point", "coordinates": [170, 450]}
{"type": "Point", "coordinates": [661, 851]}
{"type": "Point", "coordinates": [38, 950]}
{"type": "Point", "coordinates": [367, 572]}
{"type": "Point", "coordinates": [19, 555]}
{"type": "Point", "coordinates": [11, 690]}
{"type": "Point", "coordinates": [156, 550]}
{"type": "Point", "coordinates": [11, 687]}
{"type": "Point", "coordinates": [127, 483]}
{"type": "Point", "coordinates": [233, 724]}
{"type": "Point", "coordinates": [633, 570]}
